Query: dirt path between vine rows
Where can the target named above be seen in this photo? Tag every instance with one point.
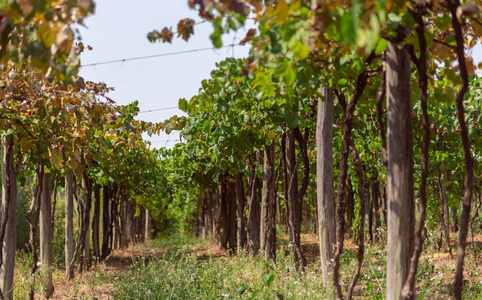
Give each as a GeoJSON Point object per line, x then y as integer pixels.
{"type": "Point", "coordinates": [99, 282]}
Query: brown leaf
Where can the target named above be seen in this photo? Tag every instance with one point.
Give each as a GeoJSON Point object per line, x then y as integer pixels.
{"type": "Point", "coordinates": [256, 4]}
{"type": "Point", "coordinates": [166, 35]}
{"type": "Point", "coordinates": [203, 4]}
{"type": "Point", "coordinates": [206, 15]}
{"type": "Point", "coordinates": [185, 28]}
{"type": "Point", "coordinates": [469, 63]}
{"type": "Point", "coordinates": [238, 6]}
{"type": "Point", "coordinates": [477, 29]}
{"type": "Point", "coordinates": [249, 36]}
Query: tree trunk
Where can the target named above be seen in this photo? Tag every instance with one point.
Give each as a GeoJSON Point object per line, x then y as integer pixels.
{"type": "Point", "coordinates": [444, 212]}
{"type": "Point", "coordinates": [455, 219]}
{"type": "Point", "coordinates": [307, 219]}
{"type": "Point", "coordinates": [286, 216]}
{"type": "Point", "coordinates": [115, 218]}
{"type": "Point", "coordinates": [36, 201]}
{"type": "Point", "coordinates": [106, 221]}
{"type": "Point", "coordinates": [369, 210]}
{"type": "Point", "coordinates": [325, 186]}
{"type": "Point", "coordinates": [350, 206]}
{"type": "Point", "coordinates": [253, 213]}
{"type": "Point", "coordinates": [241, 208]}
{"type": "Point", "coordinates": [202, 217]}
{"type": "Point", "coordinates": [219, 233]}
{"type": "Point", "coordinates": [315, 218]}
{"type": "Point", "coordinates": [361, 228]}
{"type": "Point", "coordinates": [292, 199]}
{"type": "Point", "coordinates": [69, 225]}
{"type": "Point", "coordinates": [123, 216]}
{"type": "Point", "coordinates": [475, 216]}
{"type": "Point", "coordinates": [85, 237]}
{"type": "Point", "coordinates": [46, 234]}
{"type": "Point", "coordinates": [400, 170]}
{"type": "Point", "coordinates": [297, 196]}
{"type": "Point", "coordinates": [381, 95]}
{"type": "Point", "coordinates": [384, 203]}
{"type": "Point", "coordinates": [417, 14]}
{"type": "Point", "coordinates": [140, 225]}
{"type": "Point", "coordinates": [96, 222]}
{"type": "Point", "coordinates": [200, 227]}
{"type": "Point", "coordinates": [223, 210]}
{"type": "Point", "coordinates": [349, 109]}
{"type": "Point", "coordinates": [268, 204]}
{"type": "Point", "coordinates": [454, 7]}
{"type": "Point", "coordinates": [231, 221]}
{"type": "Point", "coordinates": [279, 210]}
{"type": "Point", "coordinates": [209, 214]}
{"type": "Point", "coordinates": [130, 231]}
{"type": "Point", "coordinates": [147, 227]}
{"type": "Point", "coordinates": [8, 235]}
{"type": "Point", "coordinates": [376, 206]}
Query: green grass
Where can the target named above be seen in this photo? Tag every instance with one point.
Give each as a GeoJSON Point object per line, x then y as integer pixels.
{"type": "Point", "coordinates": [180, 274]}
{"type": "Point", "coordinates": [180, 268]}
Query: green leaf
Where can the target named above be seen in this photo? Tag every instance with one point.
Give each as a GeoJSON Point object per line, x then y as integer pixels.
{"type": "Point", "coordinates": [348, 30]}
{"type": "Point", "coordinates": [394, 17]}
{"type": "Point", "coordinates": [268, 279]}
{"type": "Point", "coordinates": [241, 289]}
{"type": "Point", "coordinates": [216, 38]}
{"type": "Point", "coordinates": [289, 75]}
{"type": "Point", "coordinates": [254, 294]}
{"type": "Point", "coordinates": [207, 127]}
{"type": "Point", "coordinates": [183, 105]}
{"type": "Point", "coordinates": [381, 46]}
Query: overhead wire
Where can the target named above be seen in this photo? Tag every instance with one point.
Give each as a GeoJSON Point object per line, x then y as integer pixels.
{"type": "Point", "coordinates": [156, 55]}
{"type": "Point", "coordinates": [157, 109]}
{"type": "Point", "coordinates": [165, 141]}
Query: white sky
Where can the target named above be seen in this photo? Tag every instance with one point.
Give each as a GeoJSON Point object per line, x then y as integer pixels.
{"type": "Point", "coordinates": [118, 30]}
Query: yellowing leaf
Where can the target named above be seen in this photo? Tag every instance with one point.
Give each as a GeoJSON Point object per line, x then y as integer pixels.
{"type": "Point", "coordinates": [282, 11]}
{"type": "Point", "coordinates": [25, 145]}
{"type": "Point", "coordinates": [471, 42]}
{"type": "Point", "coordinates": [477, 29]}
{"type": "Point", "coordinates": [270, 135]}
{"type": "Point", "coordinates": [54, 159]}
{"type": "Point", "coordinates": [46, 34]}
{"type": "Point", "coordinates": [400, 4]}
{"type": "Point", "coordinates": [64, 39]}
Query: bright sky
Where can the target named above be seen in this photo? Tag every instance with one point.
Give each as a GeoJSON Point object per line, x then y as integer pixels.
{"type": "Point", "coordinates": [118, 31]}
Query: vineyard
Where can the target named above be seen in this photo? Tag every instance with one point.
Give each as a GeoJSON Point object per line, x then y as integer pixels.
{"type": "Point", "coordinates": [341, 159]}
